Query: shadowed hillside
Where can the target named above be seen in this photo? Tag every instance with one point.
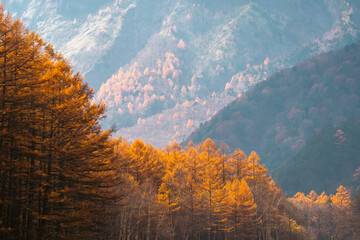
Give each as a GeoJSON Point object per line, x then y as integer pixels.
{"type": "Point", "coordinates": [277, 116]}
{"type": "Point", "coordinates": [329, 158]}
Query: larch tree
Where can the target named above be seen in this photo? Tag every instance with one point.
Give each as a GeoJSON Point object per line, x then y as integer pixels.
{"type": "Point", "coordinates": [210, 173]}
{"type": "Point", "coordinates": [342, 197]}
{"type": "Point", "coordinates": [146, 163]}
{"type": "Point", "coordinates": [239, 210]}
{"type": "Point", "coordinates": [266, 193]}
{"type": "Point", "coordinates": [236, 163]}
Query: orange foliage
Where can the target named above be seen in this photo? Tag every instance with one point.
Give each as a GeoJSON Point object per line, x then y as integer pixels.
{"type": "Point", "coordinates": [342, 197]}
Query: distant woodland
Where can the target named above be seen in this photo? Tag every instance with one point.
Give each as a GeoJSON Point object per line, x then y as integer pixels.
{"type": "Point", "coordinates": [329, 158]}
{"type": "Point", "coordinates": [63, 177]}
{"type": "Point", "coordinates": [278, 116]}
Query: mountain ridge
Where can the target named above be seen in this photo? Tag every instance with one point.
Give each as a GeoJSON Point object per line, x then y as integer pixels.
{"type": "Point", "coordinates": [278, 115]}
{"type": "Point", "coordinates": [220, 51]}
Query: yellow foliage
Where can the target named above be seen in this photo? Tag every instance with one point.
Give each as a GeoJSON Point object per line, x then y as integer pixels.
{"type": "Point", "coordinates": [239, 209]}
{"type": "Point", "coordinates": [322, 199]}
{"type": "Point", "coordinates": [342, 197]}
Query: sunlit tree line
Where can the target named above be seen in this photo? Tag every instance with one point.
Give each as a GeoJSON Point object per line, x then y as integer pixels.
{"type": "Point", "coordinates": [198, 192]}
{"type": "Point", "coordinates": [328, 217]}
{"type": "Point", "coordinates": [63, 177]}
{"type": "Point", "coordinates": [205, 192]}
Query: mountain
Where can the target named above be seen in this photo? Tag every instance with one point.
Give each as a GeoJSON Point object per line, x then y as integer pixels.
{"type": "Point", "coordinates": [163, 67]}
{"type": "Point", "coordinates": [328, 159]}
{"type": "Point", "coordinates": [277, 116]}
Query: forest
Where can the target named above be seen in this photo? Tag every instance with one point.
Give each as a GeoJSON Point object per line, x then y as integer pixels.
{"type": "Point", "coordinates": [64, 177]}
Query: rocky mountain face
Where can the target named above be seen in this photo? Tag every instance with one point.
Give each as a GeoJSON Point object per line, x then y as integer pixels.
{"type": "Point", "coordinates": [163, 67]}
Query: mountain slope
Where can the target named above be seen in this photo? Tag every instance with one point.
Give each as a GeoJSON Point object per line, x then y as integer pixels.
{"type": "Point", "coordinates": [204, 61]}
{"type": "Point", "coordinates": [154, 62]}
{"type": "Point", "coordinates": [329, 158]}
{"type": "Point", "coordinates": [277, 116]}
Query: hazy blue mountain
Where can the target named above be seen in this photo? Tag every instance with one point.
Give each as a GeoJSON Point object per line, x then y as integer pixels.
{"type": "Point", "coordinates": [328, 159]}
{"type": "Point", "coordinates": [163, 67]}
{"type": "Point", "coordinates": [277, 116]}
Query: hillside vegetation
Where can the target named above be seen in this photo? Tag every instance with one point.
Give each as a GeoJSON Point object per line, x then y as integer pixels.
{"type": "Point", "coordinates": [329, 158]}
{"type": "Point", "coordinates": [278, 115]}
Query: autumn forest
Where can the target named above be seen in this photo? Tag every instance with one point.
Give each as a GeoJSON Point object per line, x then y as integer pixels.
{"type": "Point", "coordinates": [64, 177]}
